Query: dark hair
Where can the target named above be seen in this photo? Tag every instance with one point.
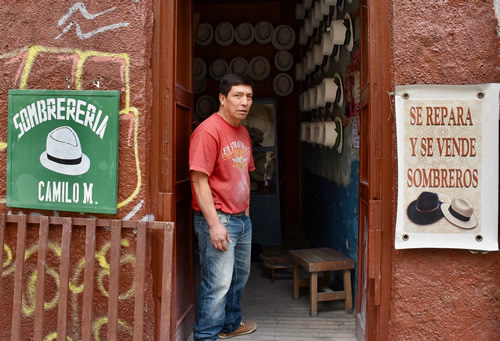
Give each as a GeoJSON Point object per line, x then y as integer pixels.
{"type": "Point", "coordinates": [230, 79]}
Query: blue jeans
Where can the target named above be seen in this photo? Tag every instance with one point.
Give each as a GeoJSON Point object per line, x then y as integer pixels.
{"type": "Point", "coordinates": [223, 276]}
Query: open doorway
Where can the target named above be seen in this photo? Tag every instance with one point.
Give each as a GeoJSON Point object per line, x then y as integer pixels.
{"type": "Point", "coordinates": [305, 191]}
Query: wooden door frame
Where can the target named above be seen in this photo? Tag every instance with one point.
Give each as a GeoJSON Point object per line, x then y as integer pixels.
{"type": "Point", "coordinates": [162, 167]}
{"type": "Point", "coordinates": [382, 170]}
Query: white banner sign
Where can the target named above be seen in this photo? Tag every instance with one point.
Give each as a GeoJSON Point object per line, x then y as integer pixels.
{"type": "Point", "coordinates": [447, 140]}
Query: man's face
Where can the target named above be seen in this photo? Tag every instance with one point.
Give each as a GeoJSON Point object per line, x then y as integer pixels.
{"type": "Point", "coordinates": [237, 103]}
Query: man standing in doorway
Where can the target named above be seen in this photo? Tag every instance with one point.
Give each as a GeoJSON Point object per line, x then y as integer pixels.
{"type": "Point", "coordinates": [220, 157]}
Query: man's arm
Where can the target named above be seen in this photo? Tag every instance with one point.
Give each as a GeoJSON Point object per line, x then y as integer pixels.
{"type": "Point", "coordinates": [219, 236]}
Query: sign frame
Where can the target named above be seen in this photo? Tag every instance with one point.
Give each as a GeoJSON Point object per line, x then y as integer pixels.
{"type": "Point", "coordinates": [476, 228]}
{"type": "Point", "coordinates": [76, 169]}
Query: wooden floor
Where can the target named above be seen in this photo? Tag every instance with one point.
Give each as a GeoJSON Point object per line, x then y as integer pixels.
{"type": "Point", "coordinates": [279, 317]}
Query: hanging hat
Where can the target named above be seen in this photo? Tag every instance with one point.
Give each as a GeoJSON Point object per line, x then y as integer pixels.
{"type": "Point", "coordinates": [218, 68]}
{"type": "Point", "coordinates": [283, 37]}
{"type": "Point", "coordinates": [336, 52]}
{"type": "Point", "coordinates": [63, 153]}
{"type": "Point", "coordinates": [333, 90]}
{"type": "Point", "coordinates": [283, 84]}
{"type": "Point", "coordinates": [320, 96]}
{"type": "Point", "coordinates": [283, 60]}
{"type": "Point", "coordinates": [199, 68]}
{"type": "Point", "coordinates": [258, 68]}
{"type": "Point", "coordinates": [307, 3]}
{"type": "Point", "coordinates": [264, 32]}
{"type": "Point", "coordinates": [306, 100]}
{"type": "Point", "coordinates": [326, 65]}
{"type": "Point", "coordinates": [300, 12]}
{"type": "Point", "coordinates": [205, 34]}
{"type": "Point", "coordinates": [324, 7]}
{"type": "Point", "coordinates": [341, 32]}
{"type": "Point", "coordinates": [244, 33]}
{"type": "Point", "coordinates": [460, 213]}
{"type": "Point", "coordinates": [326, 44]}
{"type": "Point", "coordinates": [316, 11]}
{"type": "Point", "coordinates": [340, 5]}
{"type": "Point", "coordinates": [302, 36]}
{"type": "Point", "coordinates": [205, 106]}
{"type": "Point", "coordinates": [319, 133]}
{"type": "Point", "coordinates": [303, 133]}
{"type": "Point", "coordinates": [333, 134]}
{"type": "Point", "coordinates": [299, 72]}
{"type": "Point", "coordinates": [199, 85]}
{"type": "Point", "coordinates": [309, 63]}
{"type": "Point", "coordinates": [224, 33]}
{"type": "Point", "coordinates": [238, 65]}
{"type": "Point", "coordinates": [317, 55]}
{"type": "Point", "coordinates": [312, 98]}
{"type": "Point", "coordinates": [426, 209]}
{"type": "Point", "coordinates": [308, 27]}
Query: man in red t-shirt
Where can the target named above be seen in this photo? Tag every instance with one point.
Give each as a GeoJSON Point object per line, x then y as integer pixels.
{"type": "Point", "coordinates": [220, 157]}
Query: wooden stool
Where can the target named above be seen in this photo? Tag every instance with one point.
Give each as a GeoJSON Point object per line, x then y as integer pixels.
{"type": "Point", "coordinates": [322, 260]}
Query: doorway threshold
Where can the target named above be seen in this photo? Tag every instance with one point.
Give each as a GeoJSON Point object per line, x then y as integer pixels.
{"type": "Point", "coordinates": [280, 317]}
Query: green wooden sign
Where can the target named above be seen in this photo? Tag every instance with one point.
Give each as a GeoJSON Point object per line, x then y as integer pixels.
{"type": "Point", "coordinates": [62, 151]}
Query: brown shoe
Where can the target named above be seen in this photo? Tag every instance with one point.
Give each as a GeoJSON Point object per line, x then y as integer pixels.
{"type": "Point", "coordinates": [245, 328]}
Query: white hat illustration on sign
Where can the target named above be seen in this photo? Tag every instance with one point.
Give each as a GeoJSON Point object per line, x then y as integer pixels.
{"type": "Point", "coordinates": [224, 33]}
{"type": "Point", "coordinates": [244, 34]}
{"type": "Point", "coordinates": [460, 213]}
{"type": "Point", "coordinates": [341, 32]}
{"type": "Point", "coordinates": [263, 32]}
{"type": "Point", "coordinates": [205, 34]}
{"type": "Point", "coordinates": [63, 153]}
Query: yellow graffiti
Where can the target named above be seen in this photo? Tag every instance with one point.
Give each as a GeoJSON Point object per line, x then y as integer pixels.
{"type": "Point", "coordinates": [8, 260]}
{"type": "Point", "coordinates": [96, 327]}
{"type": "Point", "coordinates": [31, 53]}
{"type": "Point", "coordinates": [29, 303]}
{"type": "Point", "coordinates": [29, 295]}
{"type": "Point", "coordinates": [53, 336]}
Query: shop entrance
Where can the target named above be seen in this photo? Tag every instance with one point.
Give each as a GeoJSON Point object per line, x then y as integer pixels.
{"type": "Point", "coordinates": [305, 193]}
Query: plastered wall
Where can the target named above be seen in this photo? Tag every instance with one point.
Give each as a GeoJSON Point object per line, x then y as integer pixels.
{"type": "Point", "coordinates": [445, 294]}
{"type": "Point", "coordinates": [80, 45]}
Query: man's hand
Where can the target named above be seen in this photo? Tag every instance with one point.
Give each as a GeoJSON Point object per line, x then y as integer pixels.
{"type": "Point", "coordinates": [219, 236]}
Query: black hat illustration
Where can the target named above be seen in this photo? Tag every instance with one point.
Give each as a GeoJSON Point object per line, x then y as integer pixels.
{"type": "Point", "coordinates": [63, 153]}
{"type": "Point", "coordinates": [426, 209]}
{"type": "Point", "coordinates": [460, 213]}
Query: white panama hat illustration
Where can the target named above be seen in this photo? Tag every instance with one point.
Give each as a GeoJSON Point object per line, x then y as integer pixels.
{"type": "Point", "coordinates": [63, 153]}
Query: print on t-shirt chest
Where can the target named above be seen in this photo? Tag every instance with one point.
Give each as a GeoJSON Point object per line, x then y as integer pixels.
{"type": "Point", "coordinates": [238, 153]}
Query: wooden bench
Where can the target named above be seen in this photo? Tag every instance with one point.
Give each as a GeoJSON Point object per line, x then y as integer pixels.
{"type": "Point", "coordinates": [322, 260]}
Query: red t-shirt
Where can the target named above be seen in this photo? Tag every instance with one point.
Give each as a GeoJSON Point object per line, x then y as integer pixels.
{"type": "Point", "coordinates": [224, 153]}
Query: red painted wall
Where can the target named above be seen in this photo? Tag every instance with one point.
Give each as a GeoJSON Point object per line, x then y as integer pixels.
{"type": "Point", "coordinates": [445, 294]}
{"type": "Point", "coordinates": [114, 41]}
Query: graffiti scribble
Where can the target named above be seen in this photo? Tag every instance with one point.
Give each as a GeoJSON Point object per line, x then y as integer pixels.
{"type": "Point", "coordinates": [80, 6]}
